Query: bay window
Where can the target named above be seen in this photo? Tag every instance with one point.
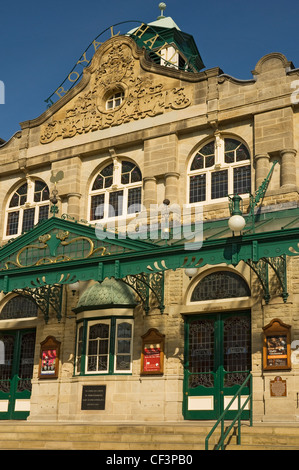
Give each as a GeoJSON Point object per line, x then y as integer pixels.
{"type": "Point", "coordinates": [104, 346]}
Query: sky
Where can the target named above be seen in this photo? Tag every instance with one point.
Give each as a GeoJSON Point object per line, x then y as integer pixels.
{"type": "Point", "coordinates": [40, 42]}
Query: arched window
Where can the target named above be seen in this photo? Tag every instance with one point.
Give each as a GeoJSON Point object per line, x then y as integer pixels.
{"type": "Point", "coordinates": [28, 205]}
{"type": "Point", "coordinates": [220, 285]}
{"type": "Point", "coordinates": [19, 307]}
{"type": "Point", "coordinates": [116, 191]}
{"type": "Point", "coordinates": [221, 167]}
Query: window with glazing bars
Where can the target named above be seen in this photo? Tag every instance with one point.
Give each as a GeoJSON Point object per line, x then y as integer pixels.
{"type": "Point", "coordinates": [220, 168]}
{"type": "Point", "coordinates": [104, 346]}
{"type": "Point", "coordinates": [117, 190]}
{"type": "Point", "coordinates": [27, 206]}
{"type": "Point", "coordinates": [220, 285]}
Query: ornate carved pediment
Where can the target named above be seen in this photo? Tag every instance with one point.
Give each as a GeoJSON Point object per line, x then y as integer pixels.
{"type": "Point", "coordinates": [116, 69]}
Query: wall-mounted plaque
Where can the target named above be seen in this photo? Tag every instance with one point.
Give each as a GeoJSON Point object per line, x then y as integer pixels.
{"type": "Point", "coordinates": [277, 346]}
{"type": "Point", "coordinates": [49, 358]}
{"type": "Point", "coordinates": [93, 397]}
{"type": "Point", "coordinates": [152, 354]}
{"type": "Point", "coordinates": [278, 387]}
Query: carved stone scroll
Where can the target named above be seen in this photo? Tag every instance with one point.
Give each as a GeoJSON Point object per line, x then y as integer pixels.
{"type": "Point", "coordinates": [118, 72]}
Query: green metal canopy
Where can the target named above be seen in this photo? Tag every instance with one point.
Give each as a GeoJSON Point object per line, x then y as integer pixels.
{"type": "Point", "coordinates": [59, 251]}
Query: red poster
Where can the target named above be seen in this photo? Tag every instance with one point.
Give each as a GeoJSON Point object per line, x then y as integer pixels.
{"type": "Point", "coordinates": [48, 362]}
{"type": "Point", "coordinates": [151, 359]}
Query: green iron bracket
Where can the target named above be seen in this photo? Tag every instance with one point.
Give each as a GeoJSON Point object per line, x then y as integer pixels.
{"type": "Point", "coordinates": [145, 284]}
{"type": "Point", "coordinates": [261, 269]}
{"type": "Point", "coordinates": [259, 194]}
{"type": "Point", "coordinates": [46, 297]}
{"type": "Point", "coordinates": [279, 266]}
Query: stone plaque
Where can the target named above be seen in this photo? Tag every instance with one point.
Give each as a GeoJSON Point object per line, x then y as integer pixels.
{"type": "Point", "coordinates": [278, 387]}
{"type": "Point", "coordinates": [93, 397]}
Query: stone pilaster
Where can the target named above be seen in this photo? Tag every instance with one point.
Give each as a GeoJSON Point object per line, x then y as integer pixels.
{"type": "Point", "coordinates": [73, 205]}
{"type": "Point", "coordinates": [171, 187]}
{"type": "Point", "coordinates": [288, 169]}
{"type": "Point", "coordinates": [262, 168]}
{"type": "Point", "coordinates": [149, 191]}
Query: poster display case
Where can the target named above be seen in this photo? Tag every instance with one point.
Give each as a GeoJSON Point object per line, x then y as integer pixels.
{"type": "Point", "coordinates": [49, 358]}
{"type": "Point", "coordinates": [277, 346]}
{"type": "Point", "coordinates": [152, 354]}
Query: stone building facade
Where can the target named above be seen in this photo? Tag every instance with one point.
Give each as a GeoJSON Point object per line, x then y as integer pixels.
{"type": "Point", "coordinates": [134, 131]}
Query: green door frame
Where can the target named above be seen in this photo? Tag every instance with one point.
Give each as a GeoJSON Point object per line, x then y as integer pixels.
{"type": "Point", "coordinates": [213, 395]}
{"type": "Point", "coordinates": [13, 394]}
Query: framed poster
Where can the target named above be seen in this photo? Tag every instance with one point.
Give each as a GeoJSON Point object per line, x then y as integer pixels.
{"type": "Point", "coordinates": [49, 358]}
{"type": "Point", "coordinates": [277, 346]}
{"type": "Point", "coordinates": [152, 354]}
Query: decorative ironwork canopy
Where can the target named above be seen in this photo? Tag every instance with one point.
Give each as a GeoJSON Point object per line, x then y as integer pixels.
{"type": "Point", "coordinates": [57, 252]}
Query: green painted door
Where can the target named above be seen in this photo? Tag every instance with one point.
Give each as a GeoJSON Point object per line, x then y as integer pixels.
{"type": "Point", "coordinates": [16, 367]}
{"type": "Point", "coordinates": [217, 361]}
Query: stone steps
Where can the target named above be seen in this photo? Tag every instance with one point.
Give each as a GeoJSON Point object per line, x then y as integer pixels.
{"type": "Point", "coordinates": [140, 437]}
{"type": "Point", "coordinates": [102, 437]}
{"type": "Point", "coordinates": [261, 447]}
{"type": "Point", "coordinates": [265, 437]}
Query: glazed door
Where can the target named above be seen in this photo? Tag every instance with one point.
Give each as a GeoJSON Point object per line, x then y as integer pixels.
{"type": "Point", "coordinates": [16, 368]}
{"type": "Point", "coordinates": [217, 361]}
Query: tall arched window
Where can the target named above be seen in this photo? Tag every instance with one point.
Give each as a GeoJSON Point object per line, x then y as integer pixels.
{"type": "Point", "coordinates": [116, 191]}
{"type": "Point", "coordinates": [220, 285]}
{"type": "Point", "coordinates": [28, 205]}
{"type": "Point", "coordinates": [221, 167]}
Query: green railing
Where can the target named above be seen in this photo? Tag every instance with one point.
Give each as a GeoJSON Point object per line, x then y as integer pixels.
{"type": "Point", "coordinates": [225, 433]}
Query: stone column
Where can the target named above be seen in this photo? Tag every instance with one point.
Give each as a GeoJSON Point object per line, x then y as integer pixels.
{"type": "Point", "coordinates": [262, 168]}
{"type": "Point", "coordinates": [73, 205]}
{"type": "Point", "coordinates": [172, 187]}
{"type": "Point", "coordinates": [149, 191]}
{"type": "Point", "coordinates": [288, 169]}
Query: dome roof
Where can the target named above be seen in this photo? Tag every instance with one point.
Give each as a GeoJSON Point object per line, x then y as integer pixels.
{"type": "Point", "coordinates": [109, 292]}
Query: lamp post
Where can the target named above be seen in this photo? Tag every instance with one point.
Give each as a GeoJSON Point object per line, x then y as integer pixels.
{"type": "Point", "coordinates": [236, 222]}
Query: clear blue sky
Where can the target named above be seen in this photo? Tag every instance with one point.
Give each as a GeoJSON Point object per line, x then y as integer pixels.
{"type": "Point", "coordinates": [41, 41]}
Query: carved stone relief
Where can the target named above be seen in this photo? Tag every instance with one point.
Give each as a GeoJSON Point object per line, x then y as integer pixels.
{"type": "Point", "coordinates": [142, 97]}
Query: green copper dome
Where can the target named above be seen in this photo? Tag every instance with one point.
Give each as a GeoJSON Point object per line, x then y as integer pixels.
{"type": "Point", "coordinates": [108, 293]}
{"type": "Point", "coordinates": [155, 36]}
